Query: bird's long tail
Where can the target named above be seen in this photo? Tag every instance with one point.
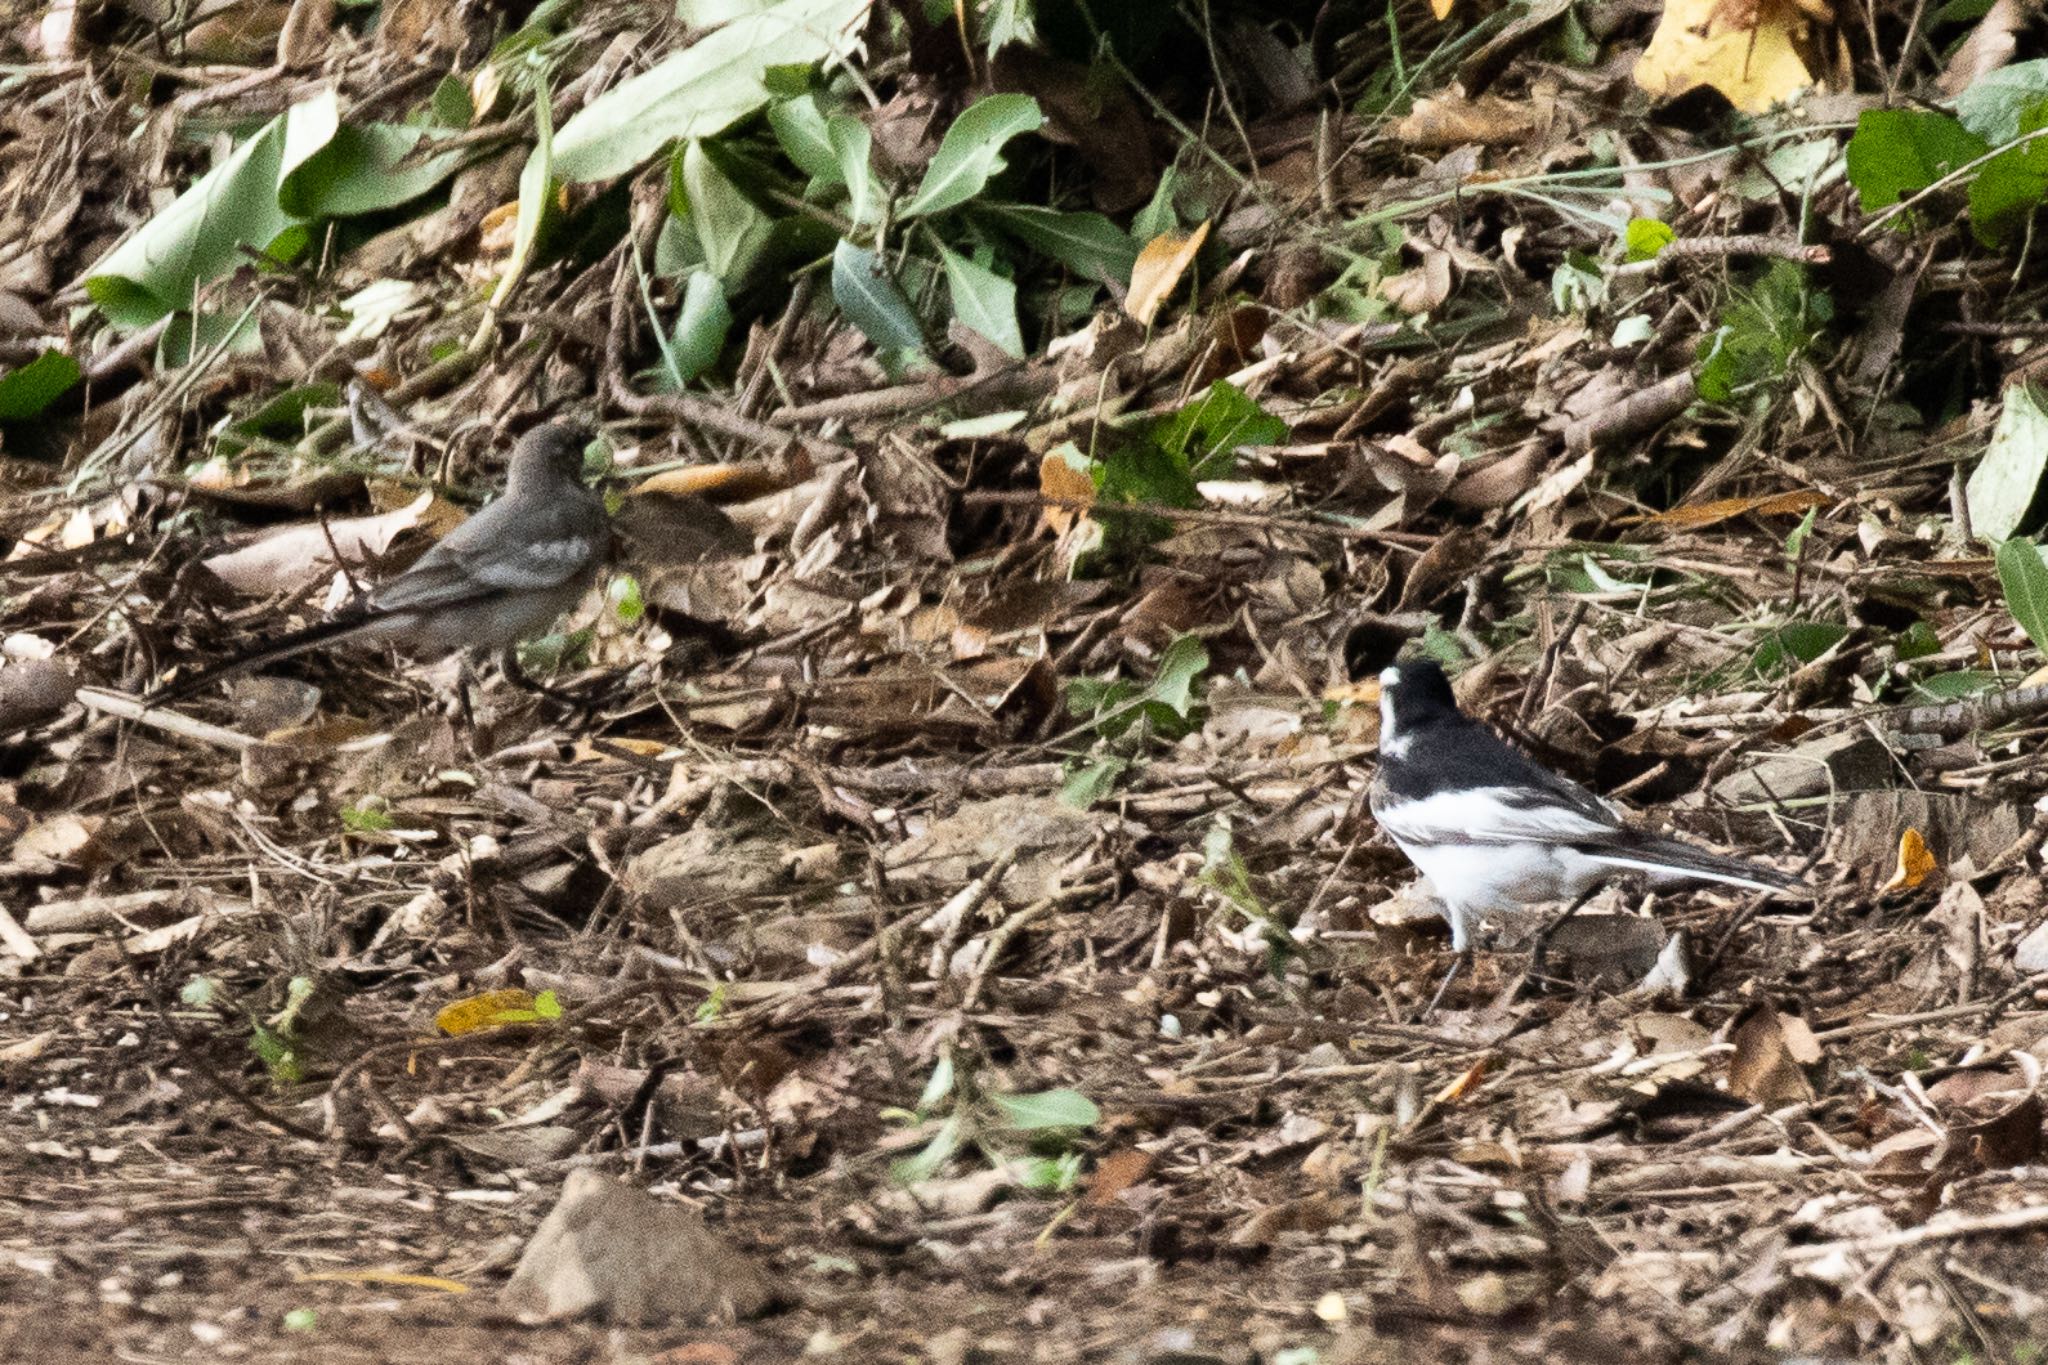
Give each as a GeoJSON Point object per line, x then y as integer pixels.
{"type": "Point", "coordinates": [332, 631]}
{"type": "Point", "coordinates": [1668, 860]}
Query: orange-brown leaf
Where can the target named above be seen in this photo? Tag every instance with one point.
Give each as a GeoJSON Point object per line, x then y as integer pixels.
{"type": "Point", "coordinates": [1159, 269]}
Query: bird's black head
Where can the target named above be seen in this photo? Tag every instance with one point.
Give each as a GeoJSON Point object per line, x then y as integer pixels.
{"type": "Point", "coordinates": [553, 453]}
{"type": "Point", "coordinates": [1413, 696]}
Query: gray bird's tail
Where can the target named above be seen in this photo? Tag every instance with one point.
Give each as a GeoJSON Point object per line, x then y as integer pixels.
{"type": "Point", "coordinates": [284, 647]}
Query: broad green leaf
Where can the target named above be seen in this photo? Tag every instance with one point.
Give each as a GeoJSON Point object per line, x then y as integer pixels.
{"type": "Point", "coordinates": [1897, 152]}
{"type": "Point", "coordinates": [1995, 104]}
{"type": "Point", "coordinates": [972, 152]}
{"type": "Point", "coordinates": [872, 301]}
{"type": "Point", "coordinates": [2008, 188]}
{"type": "Point", "coordinates": [702, 326]}
{"type": "Point", "coordinates": [1646, 237]}
{"type": "Point", "coordinates": [200, 237]}
{"type": "Point", "coordinates": [28, 389]}
{"type": "Point", "coordinates": [364, 170]}
{"type": "Point", "coordinates": [1947, 687]}
{"type": "Point", "coordinates": [1209, 431]}
{"type": "Point", "coordinates": [2024, 577]}
{"type": "Point", "coordinates": [731, 230]}
{"type": "Point", "coordinates": [984, 301]}
{"type": "Point", "coordinates": [2006, 483]}
{"type": "Point", "coordinates": [851, 143]}
{"type": "Point", "coordinates": [285, 417]}
{"type": "Point", "coordinates": [800, 128]}
{"type": "Point", "coordinates": [704, 89]}
{"type": "Point", "coordinates": [1048, 1109]}
{"type": "Point", "coordinates": [915, 1170]}
{"type": "Point", "coordinates": [1086, 243]}
{"type": "Point", "coordinates": [452, 106]}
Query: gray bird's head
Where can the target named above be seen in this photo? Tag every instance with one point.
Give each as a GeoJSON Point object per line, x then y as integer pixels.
{"type": "Point", "coordinates": [549, 454]}
{"type": "Point", "coordinates": [1413, 696]}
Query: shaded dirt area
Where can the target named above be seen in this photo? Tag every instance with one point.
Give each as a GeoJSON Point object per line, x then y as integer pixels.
{"type": "Point", "coordinates": [950, 875]}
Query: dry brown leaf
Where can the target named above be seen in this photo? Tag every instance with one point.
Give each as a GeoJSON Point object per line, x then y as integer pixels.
{"type": "Point", "coordinates": [1423, 288]}
{"type": "Point", "coordinates": [1916, 863]}
{"type": "Point", "coordinates": [1752, 51]}
{"type": "Point", "coordinates": [1454, 121]}
{"type": "Point", "coordinates": [1770, 1051]}
{"type": "Point", "coordinates": [1159, 269]}
{"type": "Point", "coordinates": [1058, 478]}
{"type": "Point", "coordinates": [297, 555]}
{"type": "Point", "coordinates": [1692, 516]}
{"type": "Point", "coordinates": [1115, 1173]}
{"type": "Point", "coordinates": [1990, 46]}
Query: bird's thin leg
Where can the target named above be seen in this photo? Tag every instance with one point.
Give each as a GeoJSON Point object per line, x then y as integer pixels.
{"type": "Point", "coordinates": [508, 663]}
{"type": "Point", "coordinates": [1449, 977]}
{"type": "Point", "coordinates": [1544, 935]}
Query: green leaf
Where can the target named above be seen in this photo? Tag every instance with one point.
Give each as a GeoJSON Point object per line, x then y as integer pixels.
{"type": "Point", "coordinates": [2009, 187]}
{"type": "Point", "coordinates": [701, 327]}
{"type": "Point", "coordinates": [972, 152]}
{"type": "Point", "coordinates": [2024, 577]}
{"type": "Point", "coordinates": [1093, 781]}
{"type": "Point", "coordinates": [800, 127]}
{"type": "Point", "coordinates": [872, 301]}
{"type": "Point", "coordinates": [28, 389]}
{"type": "Point", "coordinates": [1086, 243]}
{"type": "Point", "coordinates": [1047, 1109]}
{"type": "Point", "coordinates": [733, 233]}
{"type": "Point", "coordinates": [1761, 333]}
{"type": "Point", "coordinates": [1208, 432]}
{"type": "Point", "coordinates": [1182, 663]}
{"type": "Point", "coordinates": [1158, 216]}
{"type": "Point", "coordinates": [2004, 487]}
{"type": "Point", "coordinates": [1994, 105]}
{"type": "Point", "coordinates": [1645, 237]}
{"type": "Point", "coordinates": [1010, 21]}
{"type": "Point", "coordinates": [1897, 152]}
{"type": "Point", "coordinates": [536, 181]}
{"type": "Point", "coordinates": [200, 237]}
{"type": "Point", "coordinates": [917, 1169]}
{"type": "Point", "coordinates": [704, 89]}
{"type": "Point", "coordinates": [984, 301]}
{"type": "Point", "coordinates": [1794, 643]}
{"type": "Point", "coordinates": [452, 106]}
{"type": "Point", "coordinates": [851, 143]}
{"type": "Point", "coordinates": [1941, 688]}
{"type": "Point", "coordinates": [284, 417]}
{"type": "Point", "coordinates": [362, 819]}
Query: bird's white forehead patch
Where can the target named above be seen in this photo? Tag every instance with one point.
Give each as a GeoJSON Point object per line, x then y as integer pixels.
{"type": "Point", "coordinates": [1390, 675]}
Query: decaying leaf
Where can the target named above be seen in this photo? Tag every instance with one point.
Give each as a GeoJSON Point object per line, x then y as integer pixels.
{"type": "Point", "coordinates": [1161, 264]}
{"type": "Point", "coordinates": [1916, 863]}
{"type": "Point", "coordinates": [1756, 52]}
{"type": "Point", "coordinates": [1772, 1051]}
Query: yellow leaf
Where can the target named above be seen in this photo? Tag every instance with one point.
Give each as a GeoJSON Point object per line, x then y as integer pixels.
{"type": "Point", "coordinates": [484, 1011]}
{"type": "Point", "coordinates": [1698, 514]}
{"type": "Point", "coordinates": [1916, 864]}
{"type": "Point", "coordinates": [1750, 52]}
{"type": "Point", "coordinates": [1160, 265]}
{"type": "Point", "coordinates": [383, 1277]}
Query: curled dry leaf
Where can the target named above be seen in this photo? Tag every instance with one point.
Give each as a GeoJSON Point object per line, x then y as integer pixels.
{"type": "Point", "coordinates": [1490, 120]}
{"type": "Point", "coordinates": [1916, 863]}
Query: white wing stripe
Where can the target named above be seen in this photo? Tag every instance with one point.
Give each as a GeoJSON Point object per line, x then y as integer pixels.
{"type": "Point", "coordinates": [1489, 815]}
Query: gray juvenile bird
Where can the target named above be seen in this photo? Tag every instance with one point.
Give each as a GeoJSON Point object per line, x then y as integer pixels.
{"type": "Point", "coordinates": [504, 575]}
{"type": "Point", "coordinates": [1496, 832]}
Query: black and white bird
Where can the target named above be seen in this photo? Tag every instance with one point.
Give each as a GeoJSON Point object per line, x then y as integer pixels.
{"type": "Point", "coordinates": [1494, 831]}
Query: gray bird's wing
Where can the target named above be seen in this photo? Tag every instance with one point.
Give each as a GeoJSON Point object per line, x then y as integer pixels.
{"type": "Point", "coordinates": [515, 545]}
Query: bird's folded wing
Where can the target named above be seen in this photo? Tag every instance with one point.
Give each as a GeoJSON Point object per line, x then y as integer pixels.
{"type": "Point", "coordinates": [1498, 815]}
{"type": "Point", "coordinates": [452, 573]}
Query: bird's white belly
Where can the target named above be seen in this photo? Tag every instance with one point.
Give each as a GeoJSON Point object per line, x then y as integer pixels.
{"type": "Point", "coordinates": [1475, 880]}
